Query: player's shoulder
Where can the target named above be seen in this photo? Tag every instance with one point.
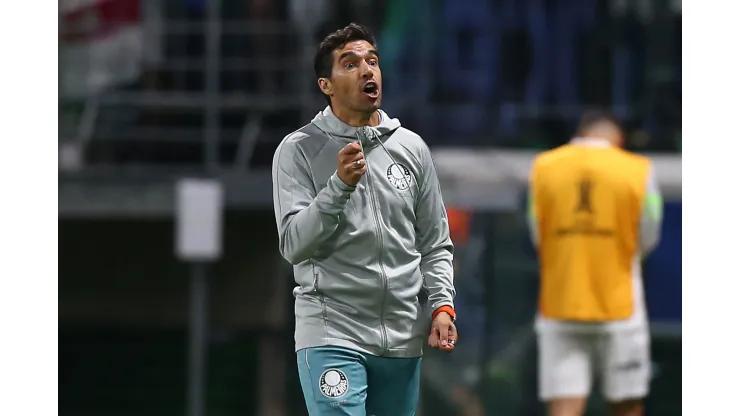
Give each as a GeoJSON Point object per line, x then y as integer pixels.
{"type": "Point", "coordinates": [631, 161]}
{"type": "Point", "coordinates": [631, 156]}
{"type": "Point", "coordinates": [548, 157]}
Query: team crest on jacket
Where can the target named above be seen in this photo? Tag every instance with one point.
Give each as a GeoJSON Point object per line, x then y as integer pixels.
{"type": "Point", "coordinates": [399, 175]}
{"type": "Point", "coordinates": [333, 383]}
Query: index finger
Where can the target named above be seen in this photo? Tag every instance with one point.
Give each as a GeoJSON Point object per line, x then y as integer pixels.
{"type": "Point", "coordinates": [351, 148]}
{"type": "Point", "coordinates": [443, 335]}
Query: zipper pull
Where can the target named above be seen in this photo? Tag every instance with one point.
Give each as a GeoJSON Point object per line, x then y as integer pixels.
{"type": "Point", "coordinates": [368, 133]}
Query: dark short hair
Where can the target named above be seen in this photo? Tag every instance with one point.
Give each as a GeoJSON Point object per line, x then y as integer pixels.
{"type": "Point", "coordinates": [595, 116]}
{"type": "Point", "coordinates": [324, 59]}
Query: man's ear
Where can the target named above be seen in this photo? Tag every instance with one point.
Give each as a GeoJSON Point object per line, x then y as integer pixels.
{"type": "Point", "coordinates": [326, 86]}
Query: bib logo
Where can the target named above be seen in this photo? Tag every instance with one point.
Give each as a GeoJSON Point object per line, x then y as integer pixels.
{"type": "Point", "coordinates": [333, 383]}
{"type": "Point", "coordinates": [399, 175]}
{"type": "Point", "coordinates": [585, 221]}
{"type": "Point", "coordinates": [585, 188]}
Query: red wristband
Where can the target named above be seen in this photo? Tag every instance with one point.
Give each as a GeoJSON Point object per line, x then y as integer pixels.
{"type": "Point", "coordinates": [445, 308]}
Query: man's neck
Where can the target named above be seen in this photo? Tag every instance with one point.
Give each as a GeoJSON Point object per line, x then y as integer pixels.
{"type": "Point", "coordinates": [603, 132]}
{"type": "Point", "coordinates": [355, 119]}
{"type": "Point", "coordinates": [593, 141]}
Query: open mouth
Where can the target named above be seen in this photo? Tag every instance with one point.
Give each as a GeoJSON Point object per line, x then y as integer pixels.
{"type": "Point", "coordinates": [371, 89]}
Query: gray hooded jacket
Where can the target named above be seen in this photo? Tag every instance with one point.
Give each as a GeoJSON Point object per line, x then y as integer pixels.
{"type": "Point", "coordinates": [362, 254]}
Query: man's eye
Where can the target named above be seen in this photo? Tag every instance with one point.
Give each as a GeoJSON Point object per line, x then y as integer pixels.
{"type": "Point", "coordinates": [349, 65]}
{"type": "Point", "coordinates": [373, 62]}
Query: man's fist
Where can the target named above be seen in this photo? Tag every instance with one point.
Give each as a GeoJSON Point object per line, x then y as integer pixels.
{"type": "Point", "coordinates": [351, 164]}
{"type": "Point", "coordinates": [444, 332]}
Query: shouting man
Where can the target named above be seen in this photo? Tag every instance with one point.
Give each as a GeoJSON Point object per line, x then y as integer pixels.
{"type": "Point", "coordinates": [361, 218]}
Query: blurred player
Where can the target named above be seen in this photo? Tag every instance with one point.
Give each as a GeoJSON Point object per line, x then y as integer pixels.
{"type": "Point", "coordinates": [595, 212]}
{"type": "Point", "coordinates": [360, 216]}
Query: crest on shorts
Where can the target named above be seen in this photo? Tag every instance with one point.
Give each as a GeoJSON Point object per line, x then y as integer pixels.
{"type": "Point", "coordinates": [399, 176]}
{"type": "Point", "coordinates": [333, 383]}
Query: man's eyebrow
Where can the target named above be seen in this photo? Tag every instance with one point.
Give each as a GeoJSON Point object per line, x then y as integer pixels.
{"type": "Point", "coordinates": [350, 53]}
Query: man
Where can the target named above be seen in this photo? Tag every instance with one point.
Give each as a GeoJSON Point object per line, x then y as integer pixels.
{"type": "Point", "coordinates": [361, 218]}
{"type": "Point", "coordinates": [595, 212]}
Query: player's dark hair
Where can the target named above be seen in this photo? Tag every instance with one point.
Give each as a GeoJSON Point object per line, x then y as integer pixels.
{"type": "Point", "coordinates": [324, 59]}
{"type": "Point", "coordinates": [592, 117]}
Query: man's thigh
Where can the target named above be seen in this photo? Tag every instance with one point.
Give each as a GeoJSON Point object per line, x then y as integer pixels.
{"type": "Point", "coordinates": [393, 386]}
{"type": "Point", "coordinates": [564, 365]}
{"type": "Point", "coordinates": [334, 381]}
{"type": "Point", "coordinates": [625, 365]}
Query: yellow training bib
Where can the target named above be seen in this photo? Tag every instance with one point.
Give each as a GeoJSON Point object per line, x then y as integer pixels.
{"type": "Point", "coordinates": [588, 204]}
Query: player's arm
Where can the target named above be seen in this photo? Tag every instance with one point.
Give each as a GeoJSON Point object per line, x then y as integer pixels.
{"type": "Point", "coordinates": [532, 214]}
{"type": "Point", "coordinates": [433, 239]}
{"type": "Point", "coordinates": [651, 220]}
{"type": "Point", "coordinates": [305, 218]}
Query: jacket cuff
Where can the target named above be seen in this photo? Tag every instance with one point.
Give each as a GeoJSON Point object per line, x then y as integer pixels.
{"type": "Point", "coordinates": [340, 183]}
{"type": "Point", "coordinates": [445, 308]}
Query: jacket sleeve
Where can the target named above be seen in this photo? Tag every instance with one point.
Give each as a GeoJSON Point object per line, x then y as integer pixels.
{"type": "Point", "coordinates": [433, 237]}
{"type": "Point", "coordinates": [651, 220]}
{"type": "Point", "coordinates": [532, 214]}
{"type": "Point", "coordinates": [305, 218]}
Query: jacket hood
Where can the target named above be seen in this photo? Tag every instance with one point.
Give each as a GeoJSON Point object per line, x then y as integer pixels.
{"type": "Point", "coordinates": [327, 122]}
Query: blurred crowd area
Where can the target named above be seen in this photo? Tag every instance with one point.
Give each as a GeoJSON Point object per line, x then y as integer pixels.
{"type": "Point", "coordinates": [144, 81]}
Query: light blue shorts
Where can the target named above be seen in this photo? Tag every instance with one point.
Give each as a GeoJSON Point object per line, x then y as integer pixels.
{"type": "Point", "coordinates": [339, 381]}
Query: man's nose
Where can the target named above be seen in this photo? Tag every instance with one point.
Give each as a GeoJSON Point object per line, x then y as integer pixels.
{"type": "Point", "coordinates": [367, 71]}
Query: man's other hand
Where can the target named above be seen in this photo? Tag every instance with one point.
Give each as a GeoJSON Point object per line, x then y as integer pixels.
{"type": "Point", "coordinates": [444, 332]}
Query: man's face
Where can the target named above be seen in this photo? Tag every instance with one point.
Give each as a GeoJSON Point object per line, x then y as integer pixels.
{"type": "Point", "coordinates": [356, 81]}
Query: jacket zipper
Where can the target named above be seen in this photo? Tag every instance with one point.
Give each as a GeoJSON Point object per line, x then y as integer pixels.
{"type": "Point", "coordinates": [384, 276]}
{"type": "Point", "coordinates": [317, 291]}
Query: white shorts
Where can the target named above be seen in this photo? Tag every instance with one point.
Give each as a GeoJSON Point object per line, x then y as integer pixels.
{"type": "Point", "coordinates": [569, 360]}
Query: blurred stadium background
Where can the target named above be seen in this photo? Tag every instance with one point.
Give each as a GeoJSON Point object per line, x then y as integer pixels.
{"type": "Point", "coordinates": [152, 91]}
